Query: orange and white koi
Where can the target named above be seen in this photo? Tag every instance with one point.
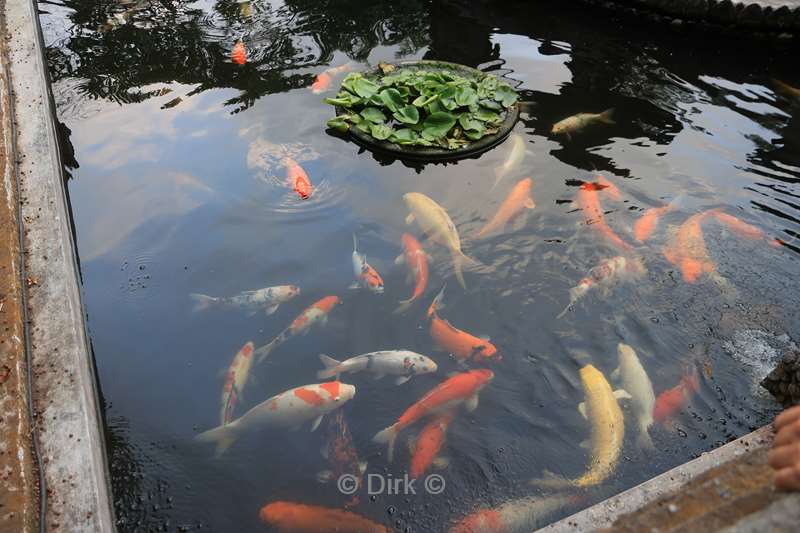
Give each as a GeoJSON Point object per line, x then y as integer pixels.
{"type": "Point", "coordinates": [235, 380]}
{"type": "Point", "coordinates": [518, 199]}
{"type": "Point", "coordinates": [417, 260]}
{"type": "Point", "coordinates": [462, 345]}
{"type": "Point", "coordinates": [588, 201]}
{"type": "Point", "coordinates": [425, 451]}
{"type": "Point", "coordinates": [239, 53]}
{"type": "Point", "coordinates": [316, 313]}
{"type": "Point", "coordinates": [603, 276]}
{"type": "Point", "coordinates": [646, 224]}
{"type": "Point", "coordinates": [298, 179]}
{"type": "Point", "coordinates": [669, 402]}
{"type": "Point", "coordinates": [461, 389]}
{"type": "Point", "coordinates": [687, 250]}
{"type": "Point", "coordinates": [516, 516]}
{"type": "Point", "coordinates": [340, 451]}
{"type": "Point", "coordinates": [366, 276]}
{"type": "Point", "coordinates": [324, 79]}
{"type": "Point", "coordinates": [290, 517]}
{"type": "Point", "coordinates": [289, 409]}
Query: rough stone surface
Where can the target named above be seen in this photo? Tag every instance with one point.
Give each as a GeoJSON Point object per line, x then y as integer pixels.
{"type": "Point", "coordinates": [784, 382]}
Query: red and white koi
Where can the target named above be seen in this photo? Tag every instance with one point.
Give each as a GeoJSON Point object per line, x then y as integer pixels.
{"type": "Point", "coordinates": [298, 179]}
{"type": "Point", "coordinates": [603, 276]}
{"type": "Point", "coordinates": [403, 363]}
{"type": "Point", "coordinates": [425, 451]}
{"type": "Point", "coordinates": [235, 380]}
{"type": "Point", "coordinates": [417, 261]}
{"type": "Point", "coordinates": [460, 344]}
{"type": "Point", "coordinates": [269, 299]}
{"type": "Point", "coordinates": [366, 276]}
{"type": "Point", "coordinates": [324, 79]}
{"type": "Point", "coordinates": [289, 409]}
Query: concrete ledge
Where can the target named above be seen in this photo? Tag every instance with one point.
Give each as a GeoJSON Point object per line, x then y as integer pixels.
{"type": "Point", "coordinates": [67, 415]}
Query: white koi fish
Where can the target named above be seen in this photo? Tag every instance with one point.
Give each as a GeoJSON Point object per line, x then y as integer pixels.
{"type": "Point", "coordinates": [235, 380]}
{"type": "Point", "coordinates": [603, 276]}
{"type": "Point", "coordinates": [366, 276]}
{"type": "Point", "coordinates": [403, 363]}
{"type": "Point", "coordinates": [636, 382]}
{"type": "Point", "coordinates": [513, 160]}
{"type": "Point", "coordinates": [576, 123]}
{"type": "Point", "coordinates": [268, 299]}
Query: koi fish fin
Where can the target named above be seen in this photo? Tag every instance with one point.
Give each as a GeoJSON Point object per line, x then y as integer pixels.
{"type": "Point", "coordinates": [404, 305]}
{"type": "Point", "coordinates": [459, 259]}
{"type": "Point", "coordinates": [324, 451]}
{"type": "Point", "coordinates": [410, 218]}
{"type": "Point", "coordinates": [529, 203]}
{"type": "Point", "coordinates": [586, 444]}
{"type": "Point", "coordinates": [582, 410]}
{"type": "Point", "coordinates": [354, 286]}
{"type": "Point", "coordinates": [315, 424]}
{"type": "Point", "coordinates": [441, 463]}
{"type": "Point", "coordinates": [202, 301]}
{"type": "Point", "coordinates": [484, 337]}
{"type": "Point", "coordinates": [400, 259]}
{"type": "Point", "coordinates": [412, 443]}
{"type": "Point", "coordinates": [379, 376]}
{"type": "Point", "coordinates": [362, 466]}
{"type": "Point", "coordinates": [438, 302]}
{"type": "Point", "coordinates": [387, 436]}
{"type": "Point", "coordinates": [565, 311]}
{"type": "Point", "coordinates": [621, 394]}
{"type": "Point", "coordinates": [251, 312]}
{"type": "Point", "coordinates": [644, 441]}
{"type": "Point", "coordinates": [401, 380]}
{"type": "Point", "coordinates": [263, 352]}
{"type": "Point", "coordinates": [498, 176]}
{"type": "Point", "coordinates": [355, 244]}
{"type": "Point", "coordinates": [472, 403]}
{"type": "Point", "coordinates": [615, 374]}
{"type": "Point", "coordinates": [331, 367]}
{"type": "Point", "coordinates": [607, 116]}
{"type": "Point", "coordinates": [222, 436]}
{"type": "Point", "coordinates": [568, 135]}
{"type": "Point", "coordinates": [271, 309]}
{"type": "Point", "coordinates": [550, 480]}
{"type": "Point", "coordinates": [325, 476]}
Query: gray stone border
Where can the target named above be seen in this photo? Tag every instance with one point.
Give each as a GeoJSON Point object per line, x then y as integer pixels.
{"type": "Point", "coordinates": [67, 420]}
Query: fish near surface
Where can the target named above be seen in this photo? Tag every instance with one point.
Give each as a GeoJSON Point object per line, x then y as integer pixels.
{"type": "Point", "coordinates": [366, 276]}
{"type": "Point", "coordinates": [239, 53]}
{"type": "Point", "coordinates": [786, 89]}
{"type": "Point", "coordinates": [578, 122]}
{"type": "Point", "coordinates": [646, 224]}
{"type": "Point", "coordinates": [416, 260]}
{"type": "Point", "coordinates": [515, 516]}
{"type": "Point", "coordinates": [687, 250]}
{"type": "Point", "coordinates": [739, 227]}
{"type": "Point", "coordinates": [603, 276]}
{"type": "Point", "coordinates": [298, 179]}
{"type": "Point", "coordinates": [289, 409]}
{"type": "Point", "coordinates": [518, 199]}
{"type": "Point", "coordinates": [235, 380]}
{"type": "Point", "coordinates": [671, 401]}
{"type": "Point", "coordinates": [513, 160]}
{"type": "Point", "coordinates": [425, 452]}
{"type": "Point", "coordinates": [269, 299]}
{"type": "Point", "coordinates": [403, 363]}
{"type": "Point", "coordinates": [636, 382]}
{"type": "Point", "coordinates": [460, 389]}
{"type": "Point", "coordinates": [322, 82]}
{"type": "Point", "coordinates": [437, 224]}
{"type": "Point", "coordinates": [341, 453]}
{"type": "Point", "coordinates": [460, 344]}
{"type": "Point", "coordinates": [291, 517]}
{"type": "Point", "coordinates": [316, 313]}
{"type": "Point", "coordinates": [588, 201]}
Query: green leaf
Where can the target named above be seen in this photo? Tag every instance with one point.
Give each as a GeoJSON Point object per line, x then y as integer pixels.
{"type": "Point", "coordinates": [392, 99]}
{"type": "Point", "coordinates": [344, 99]}
{"type": "Point", "coordinates": [484, 115]}
{"type": "Point", "coordinates": [373, 114]}
{"type": "Point", "coordinates": [466, 95]}
{"type": "Point", "coordinates": [438, 124]}
{"type": "Point", "coordinates": [505, 95]}
{"type": "Point", "coordinates": [381, 131]}
{"type": "Point", "coordinates": [364, 126]}
{"type": "Point", "coordinates": [404, 136]}
{"type": "Point", "coordinates": [490, 104]}
{"type": "Point", "coordinates": [448, 98]}
{"type": "Point", "coordinates": [339, 124]}
{"type": "Point", "coordinates": [407, 115]}
{"type": "Point", "coordinates": [468, 123]}
{"type": "Point", "coordinates": [364, 87]}
{"type": "Point", "coordinates": [422, 100]}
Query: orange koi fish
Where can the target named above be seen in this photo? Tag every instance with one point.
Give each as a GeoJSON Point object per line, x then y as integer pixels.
{"type": "Point", "coordinates": [518, 198]}
{"type": "Point", "coordinates": [589, 202]}
{"type": "Point", "coordinates": [669, 402]}
{"type": "Point", "coordinates": [515, 516]}
{"type": "Point", "coordinates": [462, 345]}
{"type": "Point", "coordinates": [612, 189]}
{"type": "Point", "coordinates": [323, 80]}
{"type": "Point", "coordinates": [687, 250]}
{"type": "Point", "coordinates": [741, 228]}
{"type": "Point", "coordinates": [290, 517]}
{"type": "Point", "coordinates": [460, 389]}
{"type": "Point", "coordinates": [646, 224]}
{"type": "Point", "coordinates": [316, 313]}
{"type": "Point", "coordinates": [235, 380]}
{"type": "Point", "coordinates": [340, 451]}
{"type": "Point", "coordinates": [366, 276]}
{"type": "Point", "coordinates": [417, 260]}
{"type": "Point", "coordinates": [239, 53]}
{"type": "Point", "coordinates": [298, 179]}
{"type": "Point", "coordinates": [430, 441]}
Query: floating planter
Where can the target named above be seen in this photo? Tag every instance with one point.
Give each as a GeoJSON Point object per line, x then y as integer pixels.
{"type": "Point", "coordinates": [425, 110]}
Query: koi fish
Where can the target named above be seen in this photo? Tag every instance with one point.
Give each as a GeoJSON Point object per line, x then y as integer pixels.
{"type": "Point", "coordinates": [403, 363]}
{"type": "Point", "coordinates": [603, 276]}
{"type": "Point", "coordinates": [576, 123]}
{"type": "Point", "coordinates": [269, 299]}
{"type": "Point", "coordinates": [324, 79]}
{"type": "Point", "coordinates": [239, 53]}
{"type": "Point", "coordinates": [646, 224]}
{"type": "Point", "coordinates": [366, 276]}
{"type": "Point", "coordinates": [741, 228]}
{"type": "Point", "coordinates": [435, 222]}
{"type": "Point", "coordinates": [637, 383]}
{"type": "Point", "coordinates": [589, 202]}
{"type": "Point", "coordinates": [425, 451]}
{"type": "Point", "coordinates": [687, 250]}
{"type": "Point", "coordinates": [515, 516]}
{"type": "Point", "coordinates": [340, 451]}
{"type": "Point", "coordinates": [611, 189]}
{"type": "Point", "coordinates": [669, 402]}
{"type": "Point", "coordinates": [518, 199]}
{"type": "Point", "coordinates": [460, 389]}
{"type": "Point", "coordinates": [244, 9]}
{"type": "Point", "coordinates": [290, 517]}
{"type": "Point", "coordinates": [515, 157]}
{"type": "Point", "coordinates": [298, 179]}
{"type": "Point", "coordinates": [316, 313]}
{"type": "Point", "coordinates": [417, 260]}
{"type": "Point", "coordinates": [786, 89]}
{"type": "Point", "coordinates": [462, 345]}
{"type": "Point", "coordinates": [235, 380]}
{"type": "Point", "coordinates": [289, 409]}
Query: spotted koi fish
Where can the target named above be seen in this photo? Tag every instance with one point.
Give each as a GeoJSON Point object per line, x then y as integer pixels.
{"type": "Point", "coordinates": [366, 276]}
{"type": "Point", "coordinates": [462, 345]}
{"type": "Point", "coordinates": [340, 451]}
{"type": "Point", "coordinates": [603, 276]}
{"type": "Point", "coordinates": [402, 363]}
{"type": "Point", "coordinates": [235, 380]}
{"type": "Point", "coordinates": [269, 299]}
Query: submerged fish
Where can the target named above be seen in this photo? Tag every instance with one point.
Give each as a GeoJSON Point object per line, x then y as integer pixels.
{"type": "Point", "coordinates": [298, 179]}
{"type": "Point", "coordinates": [316, 313]}
{"type": "Point", "coordinates": [425, 450]}
{"type": "Point", "coordinates": [268, 299]}
{"type": "Point", "coordinates": [239, 53]}
{"type": "Point", "coordinates": [786, 89]}
{"type": "Point", "coordinates": [289, 409]}
{"type": "Point", "coordinates": [460, 344]}
{"type": "Point", "coordinates": [460, 389]}
{"type": "Point", "coordinates": [741, 228]}
{"type": "Point", "coordinates": [366, 276]}
{"type": "Point", "coordinates": [518, 199]}
{"type": "Point", "coordinates": [588, 201]}
{"type": "Point", "coordinates": [646, 224]}
{"type": "Point", "coordinates": [636, 382]}
{"type": "Point", "coordinates": [324, 79]}
{"type": "Point", "coordinates": [290, 517]}
{"type": "Point", "coordinates": [403, 363]}
{"type": "Point", "coordinates": [576, 123]}
{"type": "Point", "coordinates": [235, 380]}
{"type": "Point", "coordinates": [515, 157]}
{"type": "Point", "coordinates": [687, 250]}
{"type": "Point", "coordinates": [340, 451]}
{"type": "Point", "coordinates": [515, 516]}
{"type": "Point", "coordinates": [436, 223]}
{"type": "Point", "coordinates": [603, 276]}
{"type": "Point", "coordinates": [417, 261]}
{"type": "Point", "coordinates": [669, 402]}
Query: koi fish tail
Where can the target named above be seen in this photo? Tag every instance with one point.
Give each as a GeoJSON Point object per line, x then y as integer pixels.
{"type": "Point", "coordinates": [264, 351]}
{"type": "Point", "coordinates": [222, 436]}
{"type": "Point", "coordinates": [355, 243]}
{"type": "Point", "coordinates": [499, 174]}
{"type": "Point", "coordinates": [566, 309]}
{"type": "Point", "coordinates": [387, 436]}
{"type": "Point", "coordinates": [331, 367]}
{"type": "Point", "coordinates": [404, 305]}
{"type": "Point", "coordinates": [644, 441]}
{"type": "Point", "coordinates": [607, 116]}
{"type": "Point", "coordinates": [437, 303]}
{"type": "Point", "coordinates": [202, 301]}
{"type": "Point", "coordinates": [459, 260]}
{"type": "Point", "coordinates": [550, 480]}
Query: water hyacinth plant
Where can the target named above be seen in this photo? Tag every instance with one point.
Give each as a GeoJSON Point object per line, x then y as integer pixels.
{"type": "Point", "coordinates": [413, 107]}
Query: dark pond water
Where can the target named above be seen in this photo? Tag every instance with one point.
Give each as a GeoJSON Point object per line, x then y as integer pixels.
{"type": "Point", "coordinates": [177, 184]}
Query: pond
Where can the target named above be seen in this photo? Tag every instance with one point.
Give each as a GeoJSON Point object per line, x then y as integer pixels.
{"type": "Point", "coordinates": [673, 224]}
